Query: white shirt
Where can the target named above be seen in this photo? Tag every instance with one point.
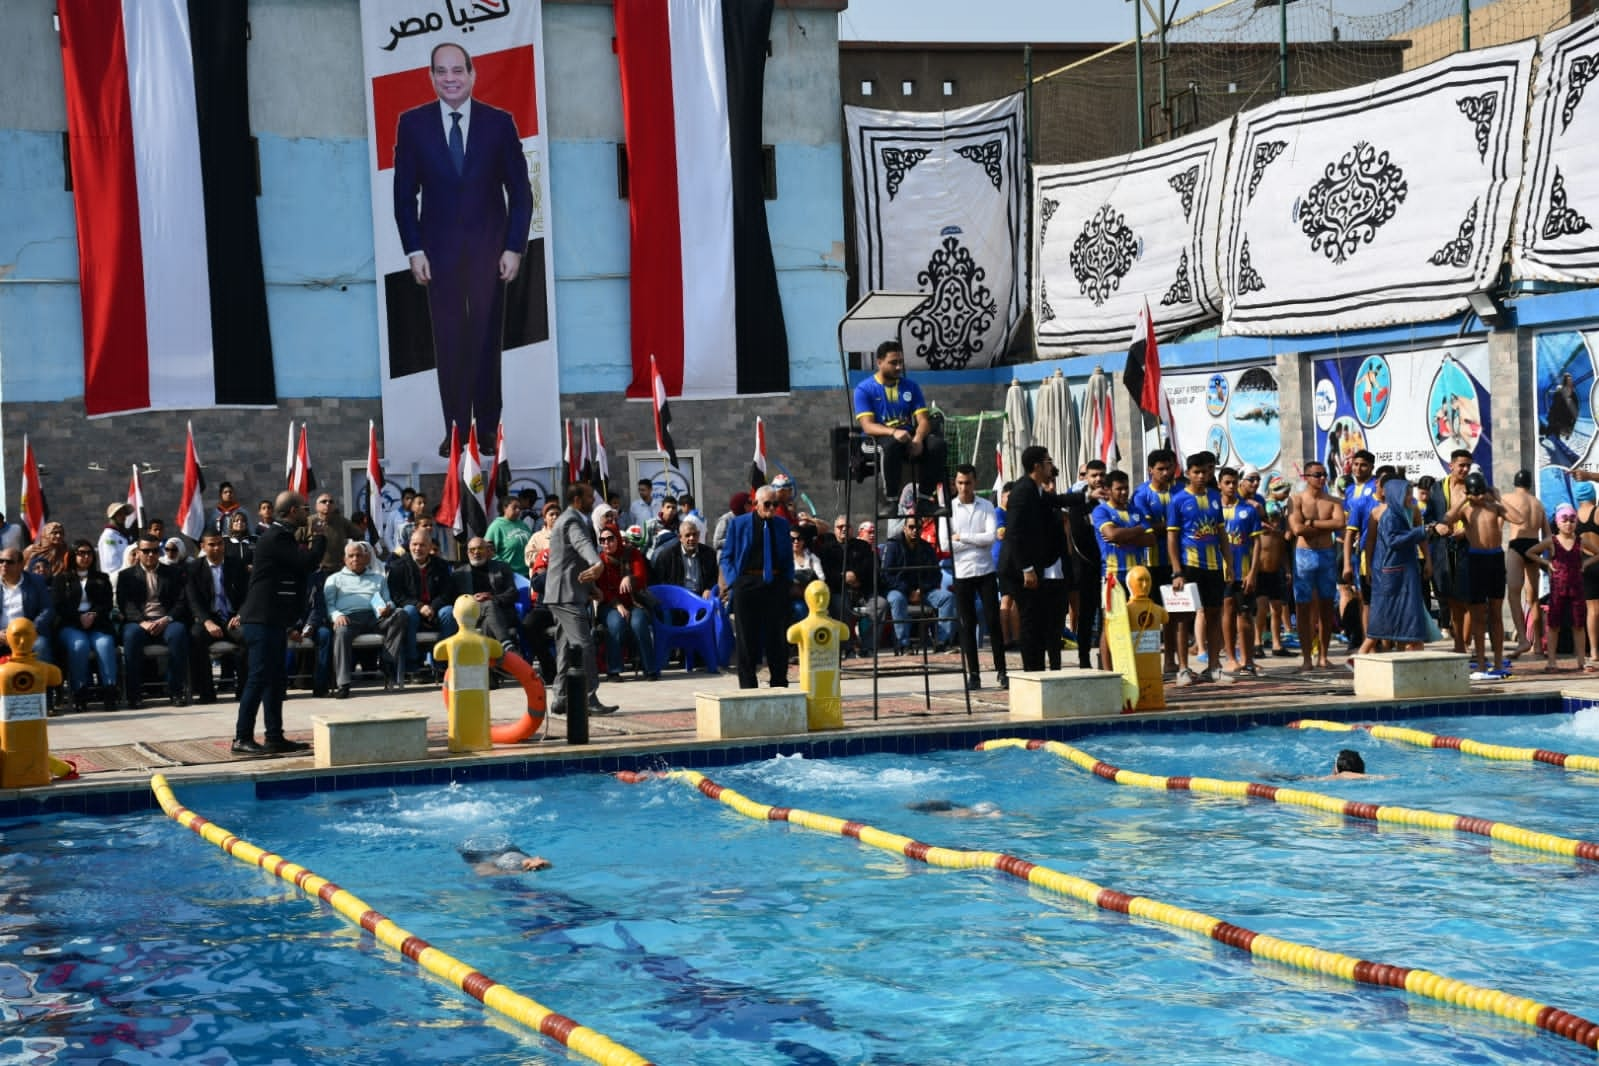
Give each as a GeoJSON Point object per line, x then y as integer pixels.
{"type": "Point", "coordinates": [642, 512]}
{"type": "Point", "coordinates": [972, 529]}
{"type": "Point", "coordinates": [10, 603]}
{"type": "Point", "coordinates": [466, 120]}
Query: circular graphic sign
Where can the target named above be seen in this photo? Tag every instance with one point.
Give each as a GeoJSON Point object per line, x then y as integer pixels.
{"type": "Point", "coordinates": [1217, 394]}
{"type": "Point", "coordinates": [1325, 403]}
{"type": "Point", "coordinates": [1372, 388]}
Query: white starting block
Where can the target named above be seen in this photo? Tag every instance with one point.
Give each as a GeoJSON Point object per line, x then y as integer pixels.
{"type": "Point", "coordinates": [1049, 694]}
{"type": "Point", "coordinates": [351, 739]}
{"type": "Point", "coordinates": [1408, 675]}
{"type": "Point", "coordinates": [763, 712]}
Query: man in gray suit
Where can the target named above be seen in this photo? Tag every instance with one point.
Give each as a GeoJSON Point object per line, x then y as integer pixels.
{"type": "Point", "coordinates": [568, 592]}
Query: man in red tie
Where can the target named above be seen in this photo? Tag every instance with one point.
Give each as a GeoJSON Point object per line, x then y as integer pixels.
{"type": "Point", "coordinates": [758, 565]}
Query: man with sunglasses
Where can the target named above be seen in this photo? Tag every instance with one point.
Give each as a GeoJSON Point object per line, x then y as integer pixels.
{"type": "Point", "coordinates": [154, 603]}
{"type": "Point", "coordinates": [25, 595]}
{"type": "Point", "coordinates": [1315, 516]}
{"type": "Point", "coordinates": [758, 565]}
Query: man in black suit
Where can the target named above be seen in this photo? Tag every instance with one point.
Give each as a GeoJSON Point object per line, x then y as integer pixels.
{"type": "Point", "coordinates": [463, 206]}
{"type": "Point", "coordinates": [493, 584]}
{"type": "Point", "coordinates": [217, 585]}
{"type": "Point", "coordinates": [155, 606]}
{"type": "Point", "coordinates": [423, 588]}
{"type": "Point", "coordinates": [689, 562]}
{"type": "Point", "coordinates": [1035, 540]}
{"type": "Point", "coordinates": [272, 603]}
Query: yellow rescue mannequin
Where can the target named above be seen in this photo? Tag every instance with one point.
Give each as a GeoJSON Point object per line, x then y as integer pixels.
{"type": "Point", "coordinates": [1134, 625]}
{"type": "Point", "coordinates": [24, 744]}
{"type": "Point", "coordinates": [466, 685]}
{"type": "Point", "coordinates": [819, 639]}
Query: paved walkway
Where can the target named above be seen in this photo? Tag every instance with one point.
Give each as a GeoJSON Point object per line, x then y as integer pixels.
{"type": "Point", "coordinates": [115, 748]}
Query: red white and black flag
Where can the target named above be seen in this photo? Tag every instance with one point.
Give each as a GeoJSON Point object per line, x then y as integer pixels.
{"type": "Point", "coordinates": [374, 473]}
{"type": "Point", "coordinates": [1141, 375]}
{"type": "Point", "coordinates": [663, 416]}
{"type": "Point", "coordinates": [163, 179]}
{"type": "Point", "coordinates": [448, 513]}
{"type": "Point", "coordinates": [692, 75]}
{"type": "Point", "coordinates": [34, 509]}
{"type": "Point", "coordinates": [191, 505]}
{"type": "Point", "coordinates": [302, 479]}
{"type": "Point", "coordinates": [136, 498]}
{"type": "Point", "coordinates": [500, 473]}
{"type": "Point", "coordinates": [474, 519]}
{"type": "Point", "coordinates": [758, 460]}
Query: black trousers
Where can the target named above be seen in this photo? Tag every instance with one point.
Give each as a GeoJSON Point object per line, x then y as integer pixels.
{"type": "Point", "coordinates": [760, 627]}
{"type": "Point", "coordinates": [1090, 590]}
{"type": "Point", "coordinates": [930, 468]}
{"type": "Point", "coordinates": [1043, 611]}
{"type": "Point", "coordinates": [966, 591]}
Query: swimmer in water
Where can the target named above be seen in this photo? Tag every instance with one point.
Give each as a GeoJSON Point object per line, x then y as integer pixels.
{"type": "Point", "coordinates": [1349, 765]}
{"type": "Point", "coordinates": [947, 809]}
{"type": "Point", "coordinates": [506, 860]}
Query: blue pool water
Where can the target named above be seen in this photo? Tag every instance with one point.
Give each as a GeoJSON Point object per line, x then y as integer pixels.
{"type": "Point", "coordinates": [694, 935]}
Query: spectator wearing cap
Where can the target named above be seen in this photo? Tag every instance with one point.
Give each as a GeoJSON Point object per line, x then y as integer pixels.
{"type": "Point", "coordinates": [112, 547]}
{"type": "Point", "coordinates": [1481, 516]}
{"type": "Point", "coordinates": [1565, 558]}
{"type": "Point", "coordinates": [785, 497]}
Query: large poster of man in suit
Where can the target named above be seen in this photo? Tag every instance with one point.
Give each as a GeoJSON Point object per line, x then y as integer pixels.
{"type": "Point", "coordinates": [460, 227]}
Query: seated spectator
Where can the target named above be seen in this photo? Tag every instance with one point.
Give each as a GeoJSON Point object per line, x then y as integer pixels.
{"type": "Point", "coordinates": [174, 553]}
{"type": "Point", "coordinates": [691, 564]}
{"type": "Point", "coordinates": [240, 543]}
{"type": "Point", "coordinates": [662, 530]}
{"type": "Point", "coordinates": [216, 587]}
{"type": "Point", "coordinates": [25, 595]}
{"type": "Point", "coordinates": [509, 537]}
{"type": "Point", "coordinates": [314, 627]}
{"type": "Point", "coordinates": [807, 567]}
{"type": "Point", "coordinates": [493, 585]}
{"type": "Point", "coordinates": [48, 556]}
{"type": "Point", "coordinates": [359, 602]}
{"type": "Point", "coordinates": [83, 599]}
{"type": "Point", "coordinates": [421, 585]}
{"type": "Point", "coordinates": [154, 603]}
{"type": "Point", "coordinates": [851, 568]}
{"type": "Point", "coordinates": [540, 540]}
{"type": "Point", "coordinates": [622, 605]}
{"type": "Point", "coordinates": [911, 578]}
{"type": "Point", "coordinates": [539, 621]}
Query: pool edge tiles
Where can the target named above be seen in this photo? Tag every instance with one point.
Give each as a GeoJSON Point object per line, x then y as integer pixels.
{"type": "Point", "coordinates": [132, 796]}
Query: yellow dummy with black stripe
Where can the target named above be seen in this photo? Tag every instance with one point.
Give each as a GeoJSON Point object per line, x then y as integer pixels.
{"type": "Point", "coordinates": [24, 741]}
{"type": "Point", "coordinates": [820, 640]}
{"type": "Point", "coordinates": [466, 683]}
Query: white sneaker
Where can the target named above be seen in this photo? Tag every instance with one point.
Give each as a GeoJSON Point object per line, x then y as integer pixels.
{"type": "Point", "coordinates": [1183, 679]}
{"type": "Point", "coordinates": [1221, 677]}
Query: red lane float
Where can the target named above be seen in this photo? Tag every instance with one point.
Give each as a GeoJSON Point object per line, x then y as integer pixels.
{"type": "Point", "coordinates": [1360, 971]}
{"type": "Point", "coordinates": [1465, 745]}
{"type": "Point", "coordinates": [1370, 812]}
{"type": "Point", "coordinates": [530, 723]}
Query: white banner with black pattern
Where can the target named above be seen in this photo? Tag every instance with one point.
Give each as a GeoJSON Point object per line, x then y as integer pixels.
{"type": "Point", "coordinates": [939, 209]}
{"type": "Point", "coordinates": [1386, 203]}
{"type": "Point", "coordinates": [1557, 224]}
{"type": "Point", "coordinates": [1113, 233]}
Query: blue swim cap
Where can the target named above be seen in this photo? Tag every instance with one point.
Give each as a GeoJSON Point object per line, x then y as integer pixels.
{"type": "Point", "coordinates": [1583, 491]}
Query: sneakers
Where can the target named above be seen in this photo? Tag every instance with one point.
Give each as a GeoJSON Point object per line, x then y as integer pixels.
{"type": "Point", "coordinates": [1184, 678]}
{"type": "Point", "coordinates": [1220, 677]}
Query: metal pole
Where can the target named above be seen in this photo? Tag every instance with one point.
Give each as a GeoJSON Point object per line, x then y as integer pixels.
{"type": "Point", "coordinates": [1465, 25]}
{"type": "Point", "coordinates": [1282, 49]}
{"type": "Point", "coordinates": [1027, 101]}
{"type": "Point", "coordinates": [1165, 112]}
{"type": "Point", "coordinates": [1138, 69]}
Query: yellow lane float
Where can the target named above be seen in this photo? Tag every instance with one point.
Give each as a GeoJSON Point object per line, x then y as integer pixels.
{"type": "Point", "coordinates": [1499, 752]}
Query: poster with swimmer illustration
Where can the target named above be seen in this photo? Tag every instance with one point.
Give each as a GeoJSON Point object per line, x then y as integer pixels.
{"type": "Point", "coordinates": [1563, 363]}
{"type": "Point", "coordinates": [1231, 412]}
{"type": "Point", "coordinates": [1411, 409]}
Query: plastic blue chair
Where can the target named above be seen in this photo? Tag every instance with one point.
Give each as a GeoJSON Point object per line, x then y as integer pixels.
{"type": "Point", "coordinates": [697, 637]}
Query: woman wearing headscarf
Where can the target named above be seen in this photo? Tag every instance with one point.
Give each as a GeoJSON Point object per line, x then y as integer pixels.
{"type": "Point", "coordinates": [1398, 602]}
{"type": "Point", "coordinates": [48, 556]}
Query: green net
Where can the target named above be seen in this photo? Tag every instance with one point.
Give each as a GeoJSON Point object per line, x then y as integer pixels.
{"type": "Point", "coordinates": [1225, 59]}
{"type": "Point", "coordinates": [973, 439]}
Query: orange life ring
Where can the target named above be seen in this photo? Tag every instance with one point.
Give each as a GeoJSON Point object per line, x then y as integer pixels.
{"type": "Point", "coordinates": [530, 723]}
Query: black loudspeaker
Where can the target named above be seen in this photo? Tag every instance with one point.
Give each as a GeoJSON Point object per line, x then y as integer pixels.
{"type": "Point", "coordinates": [851, 458]}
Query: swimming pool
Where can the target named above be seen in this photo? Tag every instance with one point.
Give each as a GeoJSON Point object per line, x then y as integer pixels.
{"type": "Point", "coordinates": [694, 935]}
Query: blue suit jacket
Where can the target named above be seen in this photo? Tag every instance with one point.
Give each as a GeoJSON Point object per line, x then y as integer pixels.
{"type": "Point", "coordinates": [741, 551]}
{"type": "Point", "coordinates": [37, 605]}
{"type": "Point", "coordinates": [473, 215]}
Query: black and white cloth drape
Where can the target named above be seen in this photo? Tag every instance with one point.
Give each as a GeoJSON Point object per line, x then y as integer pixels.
{"type": "Point", "coordinates": [1557, 224]}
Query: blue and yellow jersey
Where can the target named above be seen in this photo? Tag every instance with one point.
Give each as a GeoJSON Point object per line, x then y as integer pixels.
{"type": "Point", "coordinates": [895, 406]}
{"type": "Point", "coordinates": [1359, 520]}
{"type": "Point", "coordinates": [1118, 558]}
{"type": "Point", "coordinates": [1201, 529]}
{"type": "Point", "coordinates": [1243, 526]}
{"type": "Point", "coordinates": [1147, 500]}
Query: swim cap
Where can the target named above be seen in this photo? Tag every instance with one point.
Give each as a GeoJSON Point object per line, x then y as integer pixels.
{"type": "Point", "coordinates": [1476, 484]}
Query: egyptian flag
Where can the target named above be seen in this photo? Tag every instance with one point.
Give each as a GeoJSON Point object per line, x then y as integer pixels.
{"type": "Point", "coordinates": [474, 519]}
{"type": "Point", "coordinates": [448, 513]}
{"type": "Point", "coordinates": [163, 180]}
{"type": "Point", "coordinates": [663, 416]}
{"type": "Point", "coordinates": [191, 506]}
{"type": "Point", "coordinates": [1141, 375]}
{"type": "Point", "coordinates": [34, 509]}
{"type": "Point", "coordinates": [374, 473]}
{"type": "Point", "coordinates": [136, 498]}
{"type": "Point", "coordinates": [499, 473]}
{"type": "Point", "coordinates": [704, 287]}
{"type": "Point", "coordinates": [601, 462]}
{"type": "Point", "coordinates": [758, 460]}
{"type": "Point", "coordinates": [585, 466]}
{"type": "Point", "coordinates": [302, 479]}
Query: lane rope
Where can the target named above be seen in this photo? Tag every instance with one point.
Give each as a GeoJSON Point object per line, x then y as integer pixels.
{"type": "Point", "coordinates": [1319, 801]}
{"type": "Point", "coordinates": [1360, 971]}
{"type": "Point", "coordinates": [1465, 745]}
{"type": "Point", "coordinates": [587, 1042]}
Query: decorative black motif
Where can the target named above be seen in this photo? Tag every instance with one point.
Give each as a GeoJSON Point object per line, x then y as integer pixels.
{"type": "Point", "coordinates": [1248, 279]}
{"type": "Point", "coordinates": [1583, 70]}
{"type": "Point", "coordinates": [1355, 196]}
{"type": "Point", "coordinates": [1049, 207]}
{"type": "Point", "coordinates": [949, 325]}
{"type": "Point", "coordinates": [1184, 184]}
{"type": "Point", "coordinates": [1103, 254]}
{"type": "Point", "coordinates": [1561, 221]}
{"type": "Point", "coordinates": [987, 155]}
{"type": "Point", "coordinates": [1046, 313]}
{"type": "Point", "coordinates": [1480, 110]}
{"type": "Point", "coordinates": [1181, 291]}
{"type": "Point", "coordinates": [1457, 253]}
{"type": "Point", "coordinates": [898, 162]}
{"type": "Point", "coordinates": [1265, 152]}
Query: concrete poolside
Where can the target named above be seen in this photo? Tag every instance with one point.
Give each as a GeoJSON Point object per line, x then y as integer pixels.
{"type": "Point", "coordinates": [118, 751]}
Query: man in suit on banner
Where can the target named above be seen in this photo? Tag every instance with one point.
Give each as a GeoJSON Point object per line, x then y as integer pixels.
{"type": "Point", "coordinates": [463, 205]}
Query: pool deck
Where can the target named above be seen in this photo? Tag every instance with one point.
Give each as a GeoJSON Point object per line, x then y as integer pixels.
{"type": "Point", "coordinates": [118, 751]}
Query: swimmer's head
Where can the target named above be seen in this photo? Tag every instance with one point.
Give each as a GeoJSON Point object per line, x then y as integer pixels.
{"type": "Point", "coordinates": [1349, 762]}
{"type": "Point", "coordinates": [985, 807]}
